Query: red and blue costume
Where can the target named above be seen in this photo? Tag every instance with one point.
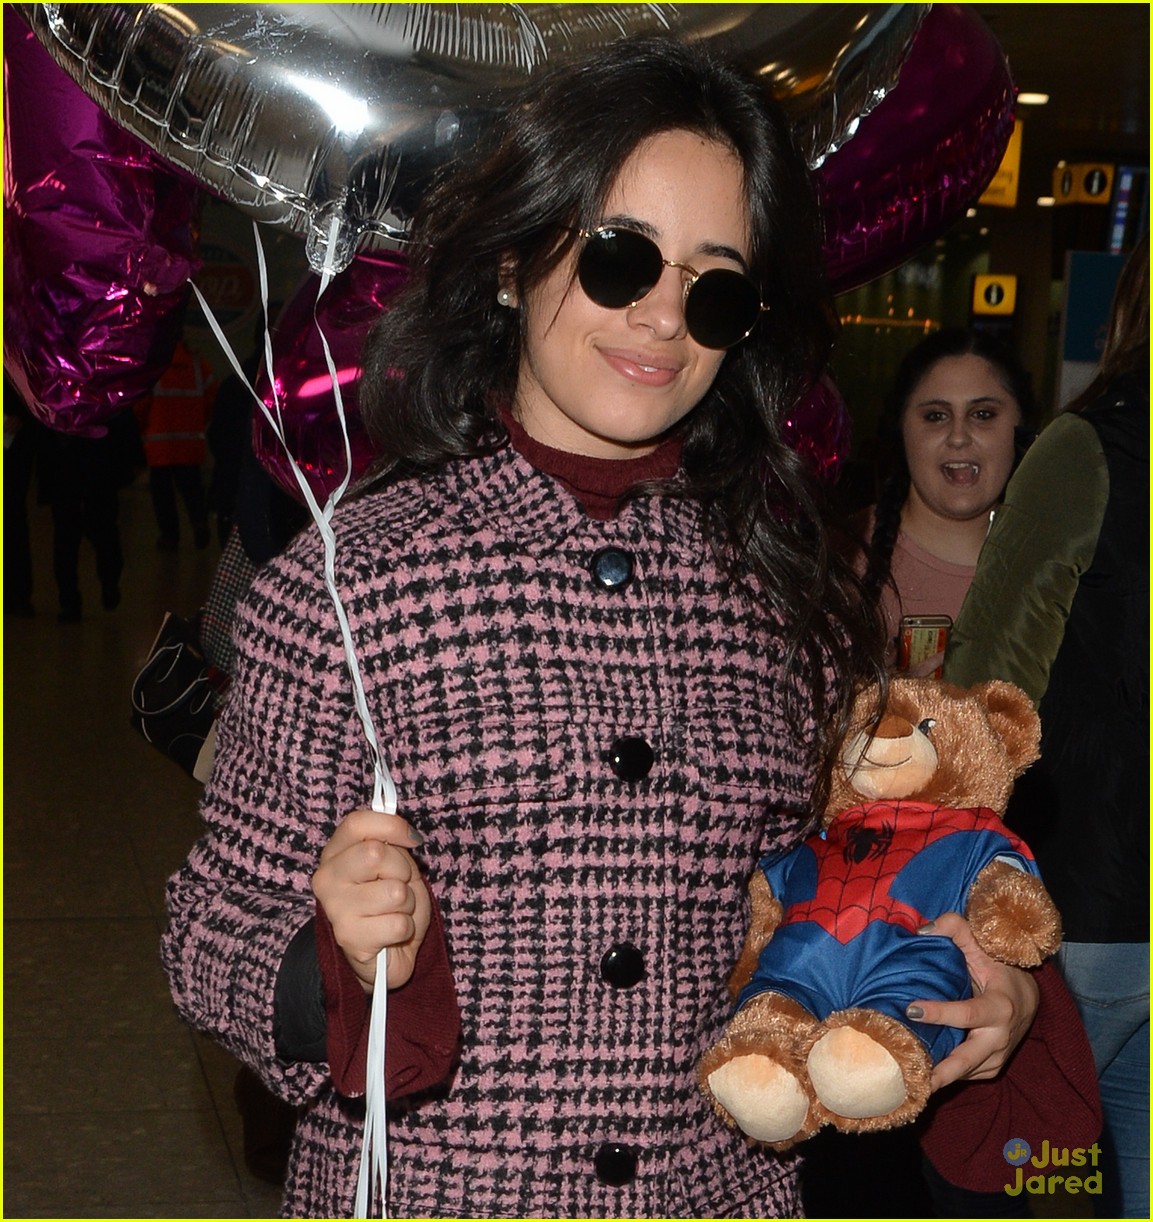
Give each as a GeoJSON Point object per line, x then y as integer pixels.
{"type": "Point", "coordinates": [854, 897]}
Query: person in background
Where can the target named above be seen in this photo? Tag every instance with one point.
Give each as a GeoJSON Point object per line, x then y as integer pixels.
{"type": "Point", "coordinates": [261, 520]}
{"type": "Point", "coordinates": [229, 433]}
{"type": "Point", "coordinates": [21, 437]}
{"type": "Point", "coordinates": [605, 644]}
{"type": "Point", "coordinates": [959, 407]}
{"type": "Point", "coordinates": [1060, 606]}
{"type": "Point", "coordinates": [172, 422]}
{"type": "Point", "coordinates": [80, 479]}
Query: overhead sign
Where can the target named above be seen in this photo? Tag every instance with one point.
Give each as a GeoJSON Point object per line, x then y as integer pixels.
{"type": "Point", "coordinates": [994, 294]}
{"type": "Point", "coordinates": [1002, 191]}
{"type": "Point", "coordinates": [1083, 183]}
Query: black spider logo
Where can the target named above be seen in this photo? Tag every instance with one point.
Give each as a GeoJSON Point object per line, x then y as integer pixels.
{"type": "Point", "coordinates": [866, 843]}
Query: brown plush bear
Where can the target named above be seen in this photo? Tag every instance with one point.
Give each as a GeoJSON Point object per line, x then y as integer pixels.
{"type": "Point", "coordinates": [833, 957]}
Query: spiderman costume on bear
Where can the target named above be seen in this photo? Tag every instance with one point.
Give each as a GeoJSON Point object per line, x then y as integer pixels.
{"type": "Point", "coordinates": [854, 897]}
{"type": "Point", "coordinates": [833, 959]}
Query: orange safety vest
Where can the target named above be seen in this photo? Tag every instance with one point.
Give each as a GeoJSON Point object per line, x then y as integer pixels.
{"type": "Point", "coordinates": [174, 417]}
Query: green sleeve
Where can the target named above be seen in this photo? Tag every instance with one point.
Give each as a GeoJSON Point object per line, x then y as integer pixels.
{"type": "Point", "coordinates": [1042, 540]}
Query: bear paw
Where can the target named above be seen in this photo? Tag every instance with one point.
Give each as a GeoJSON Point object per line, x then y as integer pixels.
{"type": "Point", "coordinates": [1012, 916]}
{"type": "Point", "coordinates": [766, 1101]}
{"type": "Point", "coordinates": [854, 1076]}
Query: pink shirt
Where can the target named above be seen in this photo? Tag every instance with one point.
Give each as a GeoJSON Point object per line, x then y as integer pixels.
{"type": "Point", "coordinates": [927, 584]}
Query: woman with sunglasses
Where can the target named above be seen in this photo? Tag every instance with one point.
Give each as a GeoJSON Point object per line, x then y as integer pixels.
{"type": "Point", "coordinates": [604, 645]}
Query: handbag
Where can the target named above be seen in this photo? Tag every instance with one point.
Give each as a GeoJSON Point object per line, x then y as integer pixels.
{"type": "Point", "coordinates": [174, 698]}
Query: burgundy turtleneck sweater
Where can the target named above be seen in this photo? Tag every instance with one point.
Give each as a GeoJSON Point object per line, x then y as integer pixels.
{"type": "Point", "coordinates": [598, 484]}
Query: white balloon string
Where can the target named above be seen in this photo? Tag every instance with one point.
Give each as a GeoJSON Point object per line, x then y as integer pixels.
{"type": "Point", "coordinates": [374, 1152]}
{"type": "Point", "coordinates": [384, 790]}
{"type": "Point", "coordinates": [374, 1155]}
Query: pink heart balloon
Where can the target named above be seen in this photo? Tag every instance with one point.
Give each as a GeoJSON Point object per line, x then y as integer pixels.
{"type": "Point", "coordinates": [351, 303]}
{"type": "Point", "coordinates": [98, 247]}
{"type": "Point", "coordinates": [820, 429]}
{"type": "Point", "coordinates": [923, 154]}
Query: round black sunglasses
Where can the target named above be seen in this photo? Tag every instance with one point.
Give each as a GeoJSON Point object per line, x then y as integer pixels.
{"type": "Point", "coordinates": [620, 267]}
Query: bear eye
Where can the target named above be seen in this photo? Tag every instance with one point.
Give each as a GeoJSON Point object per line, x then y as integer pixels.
{"type": "Point", "coordinates": [927, 725]}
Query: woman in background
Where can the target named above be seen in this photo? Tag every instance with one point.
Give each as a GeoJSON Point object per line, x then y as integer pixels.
{"type": "Point", "coordinates": [959, 407]}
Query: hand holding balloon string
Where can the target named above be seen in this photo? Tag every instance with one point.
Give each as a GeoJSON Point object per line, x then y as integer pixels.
{"type": "Point", "coordinates": [367, 882]}
{"type": "Point", "coordinates": [373, 895]}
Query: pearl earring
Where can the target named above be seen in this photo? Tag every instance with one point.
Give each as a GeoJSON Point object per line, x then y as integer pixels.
{"type": "Point", "coordinates": [505, 298]}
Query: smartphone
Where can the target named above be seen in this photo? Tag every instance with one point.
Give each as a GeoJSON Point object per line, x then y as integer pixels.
{"type": "Point", "coordinates": [921, 636]}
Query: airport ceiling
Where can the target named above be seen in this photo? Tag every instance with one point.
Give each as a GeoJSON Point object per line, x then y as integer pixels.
{"type": "Point", "coordinates": [1093, 62]}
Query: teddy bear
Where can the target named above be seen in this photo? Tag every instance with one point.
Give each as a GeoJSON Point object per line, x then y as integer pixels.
{"type": "Point", "coordinates": [833, 956]}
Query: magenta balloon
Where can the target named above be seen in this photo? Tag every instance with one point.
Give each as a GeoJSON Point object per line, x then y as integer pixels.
{"type": "Point", "coordinates": [98, 247]}
{"type": "Point", "coordinates": [820, 429]}
{"type": "Point", "coordinates": [350, 305]}
{"type": "Point", "coordinates": [924, 153]}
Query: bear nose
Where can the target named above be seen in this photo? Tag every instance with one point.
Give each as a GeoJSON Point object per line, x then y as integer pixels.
{"type": "Point", "coordinates": [893, 726]}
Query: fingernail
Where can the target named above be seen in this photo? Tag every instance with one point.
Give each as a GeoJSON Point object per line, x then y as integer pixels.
{"type": "Point", "coordinates": [914, 1012]}
{"type": "Point", "coordinates": [416, 838]}
{"type": "Point", "coordinates": [928, 927]}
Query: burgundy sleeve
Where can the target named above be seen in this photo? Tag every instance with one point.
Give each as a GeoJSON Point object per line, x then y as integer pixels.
{"type": "Point", "coordinates": [423, 1029]}
{"type": "Point", "coordinates": [1048, 1091]}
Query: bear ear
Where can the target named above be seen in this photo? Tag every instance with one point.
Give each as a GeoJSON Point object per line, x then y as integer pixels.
{"type": "Point", "coordinates": [1013, 717]}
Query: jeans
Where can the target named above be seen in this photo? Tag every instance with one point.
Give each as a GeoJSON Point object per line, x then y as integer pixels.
{"type": "Point", "coordinates": [1110, 983]}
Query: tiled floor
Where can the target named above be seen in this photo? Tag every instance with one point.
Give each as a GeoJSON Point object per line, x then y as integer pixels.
{"type": "Point", "coordinates": [112, 1107]}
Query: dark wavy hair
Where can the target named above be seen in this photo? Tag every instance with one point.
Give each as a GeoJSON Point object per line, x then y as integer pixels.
{"type": "Point", "coordinates": [543, 173]}
{"type": "Point", "coordinates": [895, 491]}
